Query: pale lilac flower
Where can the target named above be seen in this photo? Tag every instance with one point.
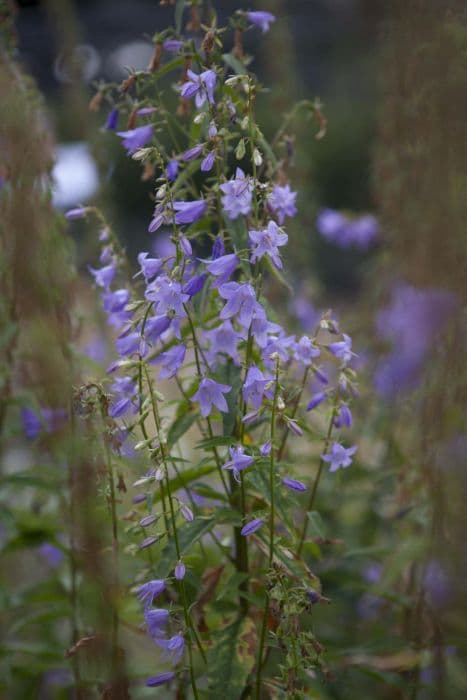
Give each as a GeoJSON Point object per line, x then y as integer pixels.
{"type": "Point", "coordinates": [342, 349]}
{"type": "Point", "coordinates": [201, 87]}
{"type": "Point", "coordinates": [261, 328]}
{"type": "Point", "coordinates": [125, 390]}
{"type": "Point", "coordinates": [150, 590]}
{"type": "Point", "coordinates": [305, 351]}
{"type": "Point", "coordinates": [156, 619]}
{"type": "Point", "coordinates": [339, 456]}
{"type": "Point", "coordinates": [171, 361]}
{"type": "Point", "coordinates": [237, 195]}
{"type": "Point", "coordinates": [74, 214]}
{"type": "Point", "coordinates": [330, 224]}
{"type": "Point", "coordinates": [261, 19]}
{"type": "Point", "coordinates": [150, 267]}
{"type": "Point", "coordinates": [148, 542]}
{"type": "Point", "coordinates": [193, 152]}
{"type": "Point", "coordinates": [223, 340]}
{"type": "Point", "coordinates": [52, 554]}
{"type": "Point", "coordinates": [209, 394]}
{"type": "Point", "coordinates": [281, 345]}
{"type": "Point", "coordinates": [363, 231]}
{"type": "Point", "coordinates": [115, 301]}
{"type": "Point", "coordinates": [218, 248]}
{"type": "Point", "coordinates": [136, 138]}
{"type": "Point", "coordinates": [167, 296]}
{"type": "Point", "coordinates": [241, 302]}
{"type": "Point", "coordinates": [316, 400]}
{"type": "Point", "coordinates": [254, 387]}
{"type": "Point", "coordinates": [238, 461]}
{"type": "Point", "coordinates": [189, 212]}
{"type": "Point", "coordinates": [282, 202]}
{"type": "Point", "coordinates": [187, 512]}
{"type": "Point", "coordinates": [174, 647]}
{"type": "Point", "coordinates": [158, 218]}
{"type": "Point", "coordinates": [212, 131]}
{"type": "Point", "coordinates": [294, 484]}
{"type": "Point", "coordinates": [344, 417]}
{"type": "Point", "coordinates": [208, 162]}
{"type": "Point", "coordinates": [104, 276]}
{"type": "Point", "coordinates": [129, 344]}
{"type": "Point", "coordinates": [251, 527]}
{"type": "Point", "coordinates": [155, 326]}
{"type": "Point", "coordinates": [185, 245]}
{"type": "Point", "coordinates": [180, 571]}
{"type": "Point", "coordinates": [195, 285]}
{"type": "Point", "coordinates": [267, 242]}
{"type": "Point", "coordinates": [265, 449]}
{"type": "Point", "coordinates": [160, 679]}
{"type": "Point", "coordinates": [223, 267]}
{"type": "Point", "coordinates": [172, 169]}
{"type": "Point", "coordinates": [148, 520]}
{"type": "Point", "coordinates": [172, 45]}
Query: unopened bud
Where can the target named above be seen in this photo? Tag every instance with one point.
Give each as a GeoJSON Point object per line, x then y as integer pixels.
{"type": "Point", "coordinates": [257, 157]}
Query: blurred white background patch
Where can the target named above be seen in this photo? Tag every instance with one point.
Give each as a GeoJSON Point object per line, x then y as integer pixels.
{"type": "Point", "coordinates": [75, 175]}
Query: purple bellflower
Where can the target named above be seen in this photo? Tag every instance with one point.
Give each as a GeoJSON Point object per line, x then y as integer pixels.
{"type": "Point", "coordinates": [237, 195]}
{"type": "Point", "coordinates": [193, 152]}
{"type": "Point", "coordinates": [201, 87]}
{"type": "Point", "coordinates": [136, 138]}
{"type": "Point", "coordinates": [238, 461]}
{"type": "Point", "coordinates": [189, 212]}
{"type": "Point", "coordinates": [171, 361]}
{"type": "Point", "coordinates": [241, 302]}
{"type": "Point", "coordinates": [267, 242]}
{"type": "Point", "coordinates": [172, 45]}
{"type": "Point", "coordinates": [150, 267]}
{"type": "Point", "coordinates": [208, 162]}
{"type": "Point", "coordinates": [104, 276]}
{"type": "Point", "coordinates": [180, 571]}
{"type": "Point", "coordinates": [342, 349]}
{"type": "Point", "coordinates": [160, 679]}
{"type": "Point", "coordinates": [156, 619]}
{"type": "Point", "coordinates": [223, 340]}
{"type": "Point", "coordinates": [251, 527]}
{"type": "Point", "coordinates": [294, 484]}
{"type": "Point", "coordinates": [174, 647]}
{"type": "Point", "coordinates": [261, 19]}
{"type": "Point", "coordinates": [281, 201]}
{"type": "Point", "coordinates": [112, 120]}
{"type": "Point", "coordinates": [150, 590]}
{"type": "Point", "coordinates": [339, 456]}
{"type": "Point", "coordinates": [254, 387]}
{"type": "Point", "coordinates": [172, 169]}
{"type": "Point", "coordinates": [222, 267]}
{"type": "Point", "coordinates": [305, 351]}
{"type": "Point", "coordinates": [316, 400]}
{"type": "Point", "coordinates": [209, 394]}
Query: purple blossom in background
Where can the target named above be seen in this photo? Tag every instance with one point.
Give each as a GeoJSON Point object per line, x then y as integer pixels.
{"type": "Point", "coordinates": [52, 554]}
{"type": "Point", "coordinates": [305, 351]}
{"type": "Point", "coordinates": [75, 214]}
{"type": "Point", "coordinates": [316, 400]}
{"type": "Point", "coordinates": [305, 312]}
{"type": "Point", "coordinates": [136, 138]}
{"type": "Point", "coordinates": [208, 162]}
{"type": "Point", "coordinates": [241, 302]}
{"type": "Point", "coordinates": [201, 87]}
{"type": "Point", "coordinates": [129, 344]}
{"type": "Point", "coordinates": [172, 45]}
{"type": "Point", "coordinates": [223, 340]}
{"type": "Point", "coordinates": [150, 267]}
{"type": "Point", "coordinates": [209, 394]}
{"type": "Point", "coordinates": [437, 584]}
{"type": "Point", "coordinates": [238, 461]}
{"type": "Point", "coordinates": [218, 248]}
{"type": "Point", "coordinates": [156, 619]}
{"type": "Point", "coordinates": [251, 527]}
{"type": "Point", "coordinates": [51, 419]}
{"type": "Point", "coordinates": [189, 212]}
{"type": "Point", "coordinates": [193, 153]}
{"type": "Point", "coordinates": [261, 328]}
{"type": "Point", "coordinates": [160, 679]}
{"type": "Point", "coordinates": [174, 647]}
{"type": "Point", "coordinates": [150, 590]}
{"type": "Point", "coordinates": [281, 201]}
{"type": "Point", "coordinates": [265, 449]}
{"type": "Point", "coordinates": [339, 456]}
{"type": "Point", "coordinates": [171, 361]}
{"type": "Point", "coordinates": [294, 484]}
{"type": "Point", "coordinates": [344, 417]}
{"type": "Point", "coordinates": [254, 387]}
{"type": "Point", "coordinates": [342, 349]}
{"type": "Point", "coordinates": [172, 169]}
{"type": "Point", "coordinates": [267, 242]}
{"type": "Point", "coordinates": [261, 19]}
{"type": "Point", "coordinates": [115, 301]}
{"type": "Point", "coordinates": [124, 389]}
{"type": "Point", "coordinates": [237, 195]}
{"type": "Point", "coordinates": [337, 228]}
{"type": "Point", "coordinates": [32, 425]}
{"type": "Point", "coordinates": [104, 276]}
{"type": "Point", "coordinates": [112, 120]}
{"type": "Point", "coordinates": [280, 344]}
{"type": "Point", "coordinates": [222, 267]}
{"type": "Point", "coordinates": [411, 323]}
{"type": "Point", "coordinates": [155, 326]}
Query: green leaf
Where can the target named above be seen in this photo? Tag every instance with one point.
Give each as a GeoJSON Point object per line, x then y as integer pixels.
{"type": "Point", "coordinates": [230, 374]}
{"type": "Point", "coordinates": [316, 524]}
{"type": "Point", "coordinates": [180, 426]}
{"type": "Point", "coordinates": [236, 65]}
{"type": "Point", "coordinates": [231, 659]}
{"type": "Point", "coordinates": [186, 477]}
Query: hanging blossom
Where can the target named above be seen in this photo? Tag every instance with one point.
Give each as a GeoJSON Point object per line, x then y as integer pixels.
{"type": "Point", "coordinates": [133, 139]}
{"type": "Point", "coordinates": [238, 195]}
{"type": "Point", "coordinates": [238, 461]}
{"type": "Point", "coordinates": [267, 242]}
{"type": "Point", "coordinates": [200, 86]}
{"type": "Point", "coordinates": [254, 387]}
{"type": "Point", "coordinates": [261, 19]}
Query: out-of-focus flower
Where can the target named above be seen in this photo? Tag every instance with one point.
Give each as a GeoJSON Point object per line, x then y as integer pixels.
{"type": "Point", "coordinates": [251, 527]}
{"type": "Point", "coordinates": [281, 201]}
{"type": "Point", "coordinates": [174, 647]}
{"type": "Point", "coordinates": [360, 232]}
{"type": "Point", "coordinates": [294, 484]}
{"type": "Point", "coordinates": [261, 19]}
{"type": "Point", "coordinates": [112, 120]}
{"type": "Point", "coordinates": [160, 679]}
{"type": "Point", "coordinates": [136, 138]}
{"type": "Point", "coordinates": [339, 456]}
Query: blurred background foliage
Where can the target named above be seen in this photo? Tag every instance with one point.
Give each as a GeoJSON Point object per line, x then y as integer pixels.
{"type": "Point", "coordinates": [390, 543]}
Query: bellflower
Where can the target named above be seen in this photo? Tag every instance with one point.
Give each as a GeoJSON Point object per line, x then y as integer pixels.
{"type": "Point", "coordinates": [316, 400]}
{"type": "Point", "coordinates": [180, 571]}
{"type": "Point", "coordinates": [129, 344]}
{"type": "Point", "coordinates": [150, 590]}
{"type": "Point", "coordinates": [238, 461]}
{"type": "Point", "coordinates": [237, 195]}
{"type": "Point", "coordinates": [150, 267]}
{"type": "Point", "coordinates": [167, 296]}
{"type": "Point", "coordinates": [331, 224]}
{"type": "Point", "coordinates": [156, 619]}
{"type": "Point", "coordinates": [342, 349]}
{"type": "Point", "coordinates": [294, 484]}
{"type": "Point", "coordinates": [136, 138]}
{"type": "Point", "coordinates": [339, 456]}
{"type": "Point", "coordinates": [265, 449]}
{"type": "Point", "coordinates": [200, 86]}
{"type": "Point", "coordinates": [267, 242]}
{"type": "Point", "coordinates": [194, 285]}
{"type": "Point", "coordinates": [209, 394]}
{"type": "Point", "coordinates": [222, 267]}
{"type": "Point", "coordinates": [223, 340]}
{"type": "Point", "coordinates": [115, 301]}
{"type": "Point", "coordinates": [112, 120]}
{"type": "Point", "coordinates": [172, 45]}
{"type": "Point", "coordinates": [254, 387]}
{"type": "Point", "coordinates": [172, 169]}
{"type": "Point", "coordinates": [32, 425]}
{"type": "Point", "coordinates": [281, 201]}
{"type": "Point", "coordinates": [241, 302]}
{"type": "Point", "coordinates": [344, 417]}
{"type": "Point", "coordinates": [208, 162]}
{"type": "Point", "coordinates": [251, 527]}
{"type": "Point", "coordinates": [104, 276]}
{"type": "Point", "coordinates": [155, 326]}
{"type": "Point", "coordinates": [171, 361]}
{"type": "Point", "coordinates": [305, 351]}
{"type": "Point", "coordinates": [261, 19]}
{"type": "Point", "coordinates": [160, 679]}
{"type": "Point", "coordinates": [125, 390]}
{"type": "Point", "coordinates": [280, 344]}
{"type": "Point", "coordinates": [189, 212]}
{"type": "Point", "coordinates": [159, 217]}
{"type": "Point", "coordinates": [174, 647]}
{"type": "Point", "coordinates": [75, 214]}
{"type": "Point", "coordinates": [193, 152]}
